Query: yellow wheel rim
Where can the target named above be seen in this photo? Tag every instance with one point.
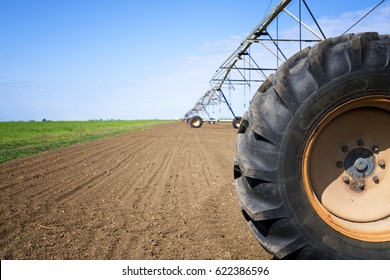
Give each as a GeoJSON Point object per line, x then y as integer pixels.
{"type": "Point", "coordinates": [346, 169]}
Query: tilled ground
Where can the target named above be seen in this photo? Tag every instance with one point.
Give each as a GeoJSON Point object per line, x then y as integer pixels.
{"type": "Point", "coordinates": [161, 193]}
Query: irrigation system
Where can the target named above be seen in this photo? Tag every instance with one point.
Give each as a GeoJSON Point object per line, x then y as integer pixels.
{"type": "Point", "coordinates": [259, 55]}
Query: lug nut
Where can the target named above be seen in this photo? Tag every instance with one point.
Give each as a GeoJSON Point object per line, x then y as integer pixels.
{"type": "Point", "coordinates": [345, 149]}
{"type": "Point", "coordinates": [360, 185]}
{"type": "Point", "coordinates": [375, 149]}
{"type": "Point", "coordinates": [382, 164]}
{"type": "Point", "coordinates": [346, 179]}
{"type": "Point", "coordinates": [375, 179]}
{"type": "Point", "coordinates": [360, 142]}
{"type": "Point", "coordinates": [339, 164]}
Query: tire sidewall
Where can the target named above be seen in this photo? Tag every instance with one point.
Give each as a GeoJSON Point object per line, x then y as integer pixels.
{"type": "Point", "coordinates": [330, 96]}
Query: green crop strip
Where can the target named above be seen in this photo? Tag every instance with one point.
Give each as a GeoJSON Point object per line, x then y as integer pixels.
{"type": "Point", "coordinates": [21, 139]}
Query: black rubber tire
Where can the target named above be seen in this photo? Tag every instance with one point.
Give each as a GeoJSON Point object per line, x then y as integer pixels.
{"type": "Point", "coordinates": [195, 122]}
{"type": "Point", "coordinates": [272, 134]}
{"type": "Point", "coordinates": [236, 122]}
{"type": "Point", "coordinates": [212, 121]}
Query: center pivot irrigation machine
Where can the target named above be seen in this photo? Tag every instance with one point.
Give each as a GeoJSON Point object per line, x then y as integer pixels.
{"type": "Point", "coordinates": [312, 164]}
{"type": "Point", "coordinates": [260, 54]}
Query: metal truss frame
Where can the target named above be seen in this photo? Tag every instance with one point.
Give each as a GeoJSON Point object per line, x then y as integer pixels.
{"type": "Point", "coordinates": [244, 69]}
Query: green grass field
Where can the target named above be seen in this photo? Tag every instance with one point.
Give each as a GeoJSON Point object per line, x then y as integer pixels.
{"type": "Point", "coordinates": [20, 139]}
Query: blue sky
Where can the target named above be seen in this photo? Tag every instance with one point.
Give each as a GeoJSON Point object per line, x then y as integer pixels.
{"type": "Point", "coordinates": [134, 59]}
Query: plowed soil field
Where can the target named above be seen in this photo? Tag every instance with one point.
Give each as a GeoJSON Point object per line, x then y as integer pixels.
{"type": "Point", "coordinates": [160, 193]}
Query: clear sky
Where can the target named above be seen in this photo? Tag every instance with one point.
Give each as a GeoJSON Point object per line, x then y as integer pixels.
{"type": "Point", "coordinates": [130, 59]}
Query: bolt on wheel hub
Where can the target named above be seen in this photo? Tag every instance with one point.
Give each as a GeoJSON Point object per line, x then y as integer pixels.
{"type": "Point", "coordinates": [361, 164]}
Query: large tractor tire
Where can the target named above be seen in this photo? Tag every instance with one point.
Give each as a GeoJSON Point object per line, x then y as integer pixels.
{"type": "Point", "coordinates": [312, 165]}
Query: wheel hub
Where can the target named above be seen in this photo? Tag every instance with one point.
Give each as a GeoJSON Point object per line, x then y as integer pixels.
{"type": "Point", "coordinates": [359, 163]}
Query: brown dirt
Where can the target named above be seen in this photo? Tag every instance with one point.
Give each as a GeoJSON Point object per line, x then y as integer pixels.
{"type": "Point", "coordinates": [161, 193]}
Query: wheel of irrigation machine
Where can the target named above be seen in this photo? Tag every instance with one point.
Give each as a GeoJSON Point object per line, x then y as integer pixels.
{"type": "Point", "coordinates": [195, 122]}
{"type": "Point", "coordinates": [236, 122]}
{"type": "Point", "coordinates": [312, 165]}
